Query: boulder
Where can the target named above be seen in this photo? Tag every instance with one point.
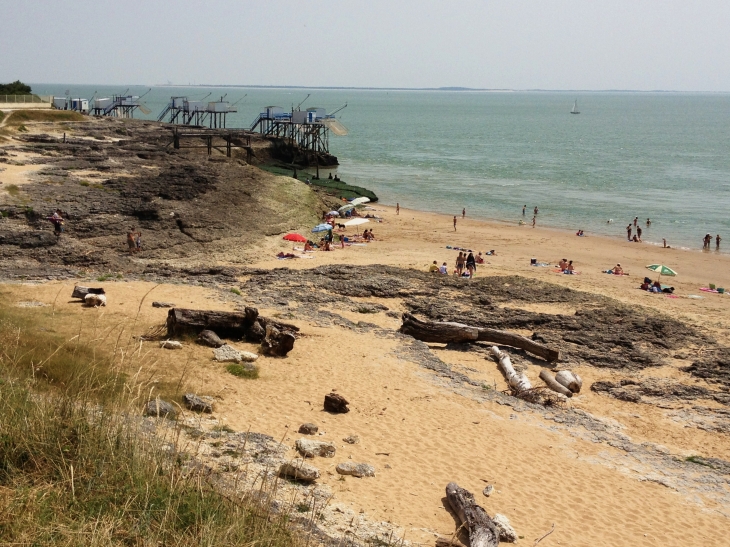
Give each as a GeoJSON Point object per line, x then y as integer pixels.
{"type": "Point", "coordinates": [308, 429]}
{"type": "Point", "coordinates": [171, 344]}
{"type": "Point", "coordinates": [506, 532]}
{"type": "Point", "coordinates": [310, 449]}
{"type": "Point", "coordinates": [277, 342]}
{"type": "Point", "coordinates": [198, 404]}
{"type": "Point", "coordinates": [352, 439]}
{"type": "Point", "coordinates": [162, 305]}
{"type": "Point", "coordinates": [299, 470]}
{"type": "Point", "coordinates": [355, 469]}
{"type": "Point", "coordinates": [336, 403]}
{"type": "Point", "coordinates": [95, 300]}
{"type": "Point", "coordinates": [209, 338]}
{"type": "Point", "coordinates": [160, 408]}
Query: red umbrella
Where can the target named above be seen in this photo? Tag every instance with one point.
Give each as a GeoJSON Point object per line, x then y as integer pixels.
{"type": "Point", "coordinates": [295, 237]}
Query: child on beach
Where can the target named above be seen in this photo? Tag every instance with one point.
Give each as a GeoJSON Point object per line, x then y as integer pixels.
{"type": "Point", "coordinates": [433, 268]}
{"type": "Point", "coordinates": [444, 269]}
{"type": "Point", "coordinates": [454, 222]}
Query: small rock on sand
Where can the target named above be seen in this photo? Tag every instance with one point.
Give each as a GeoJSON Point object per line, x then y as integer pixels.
{"type": "Point", "coordinates": [162, 305]}
{"type": "Point", "coordinates": [209, 338]}
{"type": "Point", "coordinates": [197, 403]}
{"type": "Point", "coordinates": [506, 532]}
{"type": "Point", "coordinates": [488, 490]}
{"type": "Point", "coordinates": [95, 300]}
{"type": "Point", "coordinates": [310, 449]}
{"type": "Point", "coordinates": [299, 470]}
{"type": "Point", "coordinates": [227, 353]}
{"type": "Point", "coordinates": [171, 344]}
{"type": "Point", "coordinates": [352, 439]}
{"type": "Point", "coordinates": [336, 403]}
{"type": "Point", "coordinates": [158, 407]}
{"type": "Point", "coordinates": [308, 429]}
{"type": "Point", "coordinates": [355, 469]}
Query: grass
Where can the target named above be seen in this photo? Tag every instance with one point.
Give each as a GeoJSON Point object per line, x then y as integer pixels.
{"type": "Point", "coordinates": [84, 183]}
{"type": "Point", "coordinates": [76, 466]}
{"type": "Point", "coordinates": [699, 460]}
{"type": "Point", "coordinates": [340, 188]}
{"type": "Point", "coordinates": [243, 372]}
{"type": "Point", "coordinates": [234, 290]}
{"type": "Point", "coordinates": [19, 117]}
{"type": "Point", "coordinates": [12, 189]}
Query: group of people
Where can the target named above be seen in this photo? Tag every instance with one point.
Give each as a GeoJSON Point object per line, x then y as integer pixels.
{"type": "Point", "coordinates": [636, 238]}
{"type": "Point", "coordinates": [707, 241]}
{"type": "Point", "coordinates": [134, 240]}
{"type": "Point", "coordinates": [566, 266]}
{"type": "Point", "coordinates": [655, 286]}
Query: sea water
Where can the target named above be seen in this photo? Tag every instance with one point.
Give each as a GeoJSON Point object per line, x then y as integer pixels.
{"type": "Point", "coordinates": [663, 156]}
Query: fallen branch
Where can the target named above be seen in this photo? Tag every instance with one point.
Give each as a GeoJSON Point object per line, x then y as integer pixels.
{"type": "Point", "coordinates": [543, 537]}
{"type": "Point", "coordinates": [481, 528]}
{"type": "Point", "coordinates": [448, 332]}
{"type": "Point", "coordinates": [517, 381]}
{"type": "Point", "coordinates": [553, 384]}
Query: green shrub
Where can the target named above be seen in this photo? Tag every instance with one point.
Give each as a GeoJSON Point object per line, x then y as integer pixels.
{"type": "Point", "coordinates": [84, 183]}
{"type": "Point", "coordinates": [234, 290]}
{"type": "Point", "coordinates": [12, 189]}
{"type": "Point", "coordinates": [242, 371]}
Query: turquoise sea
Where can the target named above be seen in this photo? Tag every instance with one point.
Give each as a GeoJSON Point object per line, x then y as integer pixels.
{"type": "Point", "coordinates": [664, 156]}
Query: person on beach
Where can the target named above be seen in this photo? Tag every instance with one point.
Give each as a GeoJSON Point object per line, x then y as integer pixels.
{"type": "Point", "coordinates": [471, 264]}
{"type": "Point", "coordinates": [397, 208]}
{"type": "Point", "coordinates": [536, 210]}
{"type": "Point", "coordinates": [460, 263]}
{"type": "Point", "coordinates": [444, 269]}
{"type": "Point", "coordinates": [570, 269]}
{"type": "Point", "coordinates": [665, 244]}
{"type": "Point", "coordinates": [463, 213]}
{"type": "Point", "coordinates": [330, 177]}
{"type": "Point", "coordinates": [524, 207]}
{"type": "Point", "coordinates": [57, 220]}
{"type": "Point", "coordinates": [648, 222]}
{"type": "Point", "coordinates": [454, 222]}
{"type": "Point", "coordinates": [706, 241]}
{"type": "Point", "coordinates": [534, 219]}
{"type": "Point", "coordinates": [138, 241]}
{"type": "Point", "coordinates": [718, 239]}
{"type": "Point", "coordinates": [131, 243]}
{"type": "Point", "coordinates": [638, 233]}
{"type": "Point", "coordinates": [618, 270]}
{"type": "Point", "coordinates": [636, 219]}
{"type": "Point", "coordinates": [563, 264]}
{"type": "Point", "coordinates": [628, 232]}
{"type": "Point", "coordinates": [479, 258]}
{"type": "Point", "coordinates": [433, 268]}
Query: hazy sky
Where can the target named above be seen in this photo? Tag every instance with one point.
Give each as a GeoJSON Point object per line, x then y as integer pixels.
{"type": "Point", "coordinates": [518, 44]}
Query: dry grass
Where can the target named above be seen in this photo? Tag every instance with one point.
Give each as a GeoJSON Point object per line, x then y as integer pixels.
{"type": "Point", "coordinates": [20, 117]}
{"type": "Point", "coordinates": [78, 466]}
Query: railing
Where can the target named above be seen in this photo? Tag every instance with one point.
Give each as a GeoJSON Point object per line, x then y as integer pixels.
{"type": "Point", "coordinates": [25, 99]}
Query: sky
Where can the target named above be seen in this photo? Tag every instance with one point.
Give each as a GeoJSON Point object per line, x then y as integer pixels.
{"type": "Point", "coordinates": [502, 44]}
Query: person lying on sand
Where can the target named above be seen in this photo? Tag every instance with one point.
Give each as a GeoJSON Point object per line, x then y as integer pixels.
{"type": "Point", "coordinates": [479, 258]}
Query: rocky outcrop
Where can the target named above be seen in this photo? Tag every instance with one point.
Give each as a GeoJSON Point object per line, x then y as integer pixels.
{"type": "Point", "coordinates": [198, 403]}
{"type": "Point", "coordinates": [355, 469]}
{"type": "Point", "coordinates": [299, 470]}
{"type": "Point", "coordinates": [159, 408]}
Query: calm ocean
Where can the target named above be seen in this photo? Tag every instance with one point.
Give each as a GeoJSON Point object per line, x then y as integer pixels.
{"type": "Point", "coordinates": [664, 156]}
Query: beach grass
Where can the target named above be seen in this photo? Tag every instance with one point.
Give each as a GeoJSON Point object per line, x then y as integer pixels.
{"type": "Point", "coordinates": [77, 467]}
{"type": "Point", "coordinates": [339, 188]}
{"type": "Point", "coordinates": [12, 189]}
{"type": "Point", "coordinates": [19, 117]}
{"type": "Point", "coordinates": [241, 371]}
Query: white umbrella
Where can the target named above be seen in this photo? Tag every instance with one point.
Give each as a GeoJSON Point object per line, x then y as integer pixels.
{"type": "Point", "coordinates": [356, 221]}
{"type": "Point", "coordinates": [345, 208]}
{"type": "Point", "coordinates": [334, 213]}
{"type": "Point", "coordinates": [358, 201]}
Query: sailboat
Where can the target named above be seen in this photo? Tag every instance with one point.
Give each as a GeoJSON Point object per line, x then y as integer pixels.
{"type": "Point", "coordinates": [575, 108]}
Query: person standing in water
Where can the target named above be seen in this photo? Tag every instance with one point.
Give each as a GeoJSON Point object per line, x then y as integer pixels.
{"type": "Point", "coordinates": [536, 210]}
{"type": "Point", "coordinates": [463, 213]}
{"type": "Point", "coordinates": [534, 219]}
{"type": "Point", "coordinates": [523, 209]}
{"type": "Point", "coordinates": [718, 239]}
{"type": "Point", "coordinates": [638, 233]}
{"type": "Point", "coordinates": [648, 222]}
{"type": "Point", "coordinates": [636, 219]}
{"type": "Point", "coordinates": [628, 232]}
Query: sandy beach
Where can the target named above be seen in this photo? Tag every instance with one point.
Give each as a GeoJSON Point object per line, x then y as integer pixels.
{"type": "Point", "coordinates": [421, 432]}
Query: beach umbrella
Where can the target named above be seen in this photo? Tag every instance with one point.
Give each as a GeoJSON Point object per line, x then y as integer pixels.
{"type": "Point", "coordinates": [295, 237]}
{"type": "Point", "coordinates": [358, 201]}
{"type": "Point", "coordinates": [322, 228]}
{"type": "Point", "coordinates": [661, 269]}
{"type": "Point", "coordinates": [334, 213]}
{"type": "Point", "coordinates": [345, 208]}
{"type": "Point", "coordinates": [356, 221]}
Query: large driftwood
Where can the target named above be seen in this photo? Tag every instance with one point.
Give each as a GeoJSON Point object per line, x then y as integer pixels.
{"type": "Point", "coordinates": [81, 292]}
{"type": "Point", "coordinates": [516, 380]}
{"type": "Point", "coordinates": [553, 384]}
{"type": "Point", "coordinates": [447, 332]}
{"type": "Point", "coordinates": [570, 380]}
{"type": "Point", "coordinates": [482, 531]}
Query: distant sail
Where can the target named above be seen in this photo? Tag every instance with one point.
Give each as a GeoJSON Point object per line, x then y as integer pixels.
{"type": "Point", "coordinates": [575, 108]}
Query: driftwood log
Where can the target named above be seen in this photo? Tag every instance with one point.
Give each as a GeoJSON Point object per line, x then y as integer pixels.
{"type": "Point", "coordinates": [570, 380]}
{"type": "Point", "coordinates": [482, 531]}
{"type": "Point", "coordinates": [516, 380]}
{"type": "Point", "coordinates": [81, 292]}
{"type": "Point", "coordinates": [553, 384]}
{"type": "Point", "coordinates": [447, 332]}
{"type": "Point", "coordinates": [247, 324]}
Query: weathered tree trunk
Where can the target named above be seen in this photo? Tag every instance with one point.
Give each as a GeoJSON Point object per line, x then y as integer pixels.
{"type": "Point", "coordinates": [81, 292]}
{"type": "Point", "coordinates": [570, 380]}
{"type": "Point", "coordinates": [516, 380]}
{"type": "Point", "coordinates": [277, 342]}
{"type": "Point", "coordinates": [482, 531]}
{"type": "Point", "coordinates": [553, 384]}
{"type": "Point", "coordinates": [446, 332]}
{"type": "Point", "coordinates": [224, 323]}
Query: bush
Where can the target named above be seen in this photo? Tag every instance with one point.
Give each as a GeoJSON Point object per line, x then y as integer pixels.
{"type": "Point", "coordinates": [242, 371]}
{"type": "Point", "coordinates": [15, 88]}
{"type": "Point", "coordinates": [12, 189]}
{"type": "Point", "coordinates": [234, 290]}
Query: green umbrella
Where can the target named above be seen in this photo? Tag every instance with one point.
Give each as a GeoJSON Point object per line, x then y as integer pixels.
{"type": "Point", "coordinates": [661, 269]}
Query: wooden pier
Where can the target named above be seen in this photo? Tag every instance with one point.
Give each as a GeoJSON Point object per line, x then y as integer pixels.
{"type": "Point", "coordinates": [223, 140]}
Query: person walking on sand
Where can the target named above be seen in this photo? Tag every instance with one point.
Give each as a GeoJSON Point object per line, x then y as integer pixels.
{"type": "Point", "coordinates": [718, 239]}
{"type": "Point", "coordinates": [638, 233]}
{"type": "Point", "coordinates": [524, 207]}
{"type": "Point", "coordinates": [534, 219]}
{"type": "Point", "coordinates": [397, 208]}
{"type": "Point", "coordinates": [454, 222]}
{"type": "Point", "coordinates": [471, 265]}
{"type": "Point", "coordinates": [628, 232]}
{"type": "Point", "coordinates": [460, 263]}
{"type": "Point", "coordinates": [463, 213]}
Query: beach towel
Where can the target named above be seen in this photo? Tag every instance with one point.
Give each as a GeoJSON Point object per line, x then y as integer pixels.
{"type": "Point", "coordinates": [708, 289]}
{"type": "Point", "coordinates": [564, 272]}
{"type": "Point", "coordinates": [611, 272]}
